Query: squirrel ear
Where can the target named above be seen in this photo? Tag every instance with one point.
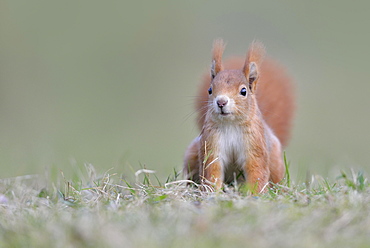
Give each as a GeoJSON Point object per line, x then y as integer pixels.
{"type": "Point", "coordinates": [252, 64]}
{"type": "Point", "coordinates": [252, 76]}
{"type": "Point", "coordinates": [218, 49]}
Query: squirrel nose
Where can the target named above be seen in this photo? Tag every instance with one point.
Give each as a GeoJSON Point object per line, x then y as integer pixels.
{"type": "Point", "coordinates": [221, 102]}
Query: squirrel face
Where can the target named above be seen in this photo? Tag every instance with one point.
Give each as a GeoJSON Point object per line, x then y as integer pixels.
{"type": "Point", "coordinates": [232, 92]}
{"type": "Point", "coordinates": [229, 96]}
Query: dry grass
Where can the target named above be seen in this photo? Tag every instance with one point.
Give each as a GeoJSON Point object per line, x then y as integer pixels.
{"type": "Point", "coordinates": [109, 212]}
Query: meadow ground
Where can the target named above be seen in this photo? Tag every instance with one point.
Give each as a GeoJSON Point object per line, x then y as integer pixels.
{"type": "Point", "coordinates": [107, 211]}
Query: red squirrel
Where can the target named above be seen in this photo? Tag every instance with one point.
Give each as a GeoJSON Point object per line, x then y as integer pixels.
{"type": "Point", "coordinates": [245, 112]}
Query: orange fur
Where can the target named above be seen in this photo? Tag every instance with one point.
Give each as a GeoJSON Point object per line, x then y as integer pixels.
{"type": "Point", "coordinates": [244, 121]}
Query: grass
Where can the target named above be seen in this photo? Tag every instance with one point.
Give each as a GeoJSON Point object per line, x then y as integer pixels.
{"type": "Point", "coordinates": [107, 211]}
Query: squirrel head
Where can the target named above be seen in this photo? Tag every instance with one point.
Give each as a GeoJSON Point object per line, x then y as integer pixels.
{"type": "Point", "coordinates": [231, 91]}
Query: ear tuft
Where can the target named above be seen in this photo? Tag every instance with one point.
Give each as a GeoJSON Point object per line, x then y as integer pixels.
{"type": "Point", "coordinates": [218, 50]}
{"type": "Point", "coordinates": [256, 53]}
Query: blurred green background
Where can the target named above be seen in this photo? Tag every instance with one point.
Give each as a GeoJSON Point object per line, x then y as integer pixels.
{"type": "Point", "coordinates": [112, 83]}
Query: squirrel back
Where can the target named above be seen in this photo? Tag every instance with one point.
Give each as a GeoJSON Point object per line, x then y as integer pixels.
{"type": "Point", "coordinates": [275, 96]}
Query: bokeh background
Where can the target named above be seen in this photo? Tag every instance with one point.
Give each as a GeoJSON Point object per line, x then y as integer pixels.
{"type": "Point", "coordinates": [112, 83]}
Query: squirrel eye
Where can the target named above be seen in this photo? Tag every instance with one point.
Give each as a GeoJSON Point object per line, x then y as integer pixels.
{"type": "Point", "coordinates": [210, 91]}
{"type": "Point", "coordinates": [243, 92]}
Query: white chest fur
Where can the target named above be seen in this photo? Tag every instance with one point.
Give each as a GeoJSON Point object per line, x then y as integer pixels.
{"type": "Point", "coordinates": [232, 147]}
